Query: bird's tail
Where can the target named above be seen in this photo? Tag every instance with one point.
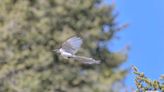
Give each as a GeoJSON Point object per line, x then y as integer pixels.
{"type": "Point", "coordinates": [86, 60]}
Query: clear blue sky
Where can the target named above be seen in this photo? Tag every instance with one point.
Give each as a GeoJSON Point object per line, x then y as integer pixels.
{"type": "Point", "coordinates": [145, 35]}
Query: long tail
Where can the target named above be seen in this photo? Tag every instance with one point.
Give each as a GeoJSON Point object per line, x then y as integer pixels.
{"type": "Point", "coordinates": [85, 60]}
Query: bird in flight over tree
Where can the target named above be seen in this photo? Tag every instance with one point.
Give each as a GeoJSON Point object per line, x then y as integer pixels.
{"type": "Point", "coordinates": [69, 49]}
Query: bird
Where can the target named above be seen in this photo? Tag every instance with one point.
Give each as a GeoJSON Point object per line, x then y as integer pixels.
{"type": "Point", "coordinates": [69, 49]}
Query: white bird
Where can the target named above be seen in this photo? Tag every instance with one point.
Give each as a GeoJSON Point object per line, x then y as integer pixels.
{"type": "Point", "coordinates": [69, 49]}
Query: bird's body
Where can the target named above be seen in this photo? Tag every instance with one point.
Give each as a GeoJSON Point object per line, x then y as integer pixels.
{"type": "Point", "coordinates": [70, 47]}
{"type": "Point", "coordinates": [64, 53]}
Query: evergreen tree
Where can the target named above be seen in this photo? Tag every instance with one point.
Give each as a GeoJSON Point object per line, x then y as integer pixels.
{"type": "Point", "coordinates": [144, 83]}
{"type": "Point", "coordinates": [31, 29]}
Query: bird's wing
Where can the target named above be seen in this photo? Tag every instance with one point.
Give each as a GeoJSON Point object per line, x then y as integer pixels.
{"type": "Point", "coordinates": [86, 60]}
{"type": "Point", "coordinates": [72, 45]}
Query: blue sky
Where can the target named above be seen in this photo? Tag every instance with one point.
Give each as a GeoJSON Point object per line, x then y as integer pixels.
{"type": "Point", "coordinates": [145, 35]}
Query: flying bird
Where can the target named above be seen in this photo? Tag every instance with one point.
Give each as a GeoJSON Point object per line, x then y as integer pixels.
{"type": "Point", "coordinates": [70, 47]}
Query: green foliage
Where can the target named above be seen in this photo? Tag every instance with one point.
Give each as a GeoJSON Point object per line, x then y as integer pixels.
{"type": "Point", "coordinates": [144, 83]}
{"type": "Point", "coordinates": [31, 29]}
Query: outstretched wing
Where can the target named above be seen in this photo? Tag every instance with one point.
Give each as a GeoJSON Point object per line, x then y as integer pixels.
{"type": "Point", "coordinates": [72, 45]}
{"type": "Point", "coordinates": [86, 60]}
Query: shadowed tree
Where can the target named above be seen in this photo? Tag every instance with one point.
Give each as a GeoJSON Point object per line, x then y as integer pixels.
{"type": "Point", "coordinates": [31, 29]}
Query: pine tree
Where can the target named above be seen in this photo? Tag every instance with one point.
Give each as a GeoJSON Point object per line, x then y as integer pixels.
{"type": "Point", "coordinates": [31, 29]}
{"type": "Point", "coordinates": [144, 83]}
